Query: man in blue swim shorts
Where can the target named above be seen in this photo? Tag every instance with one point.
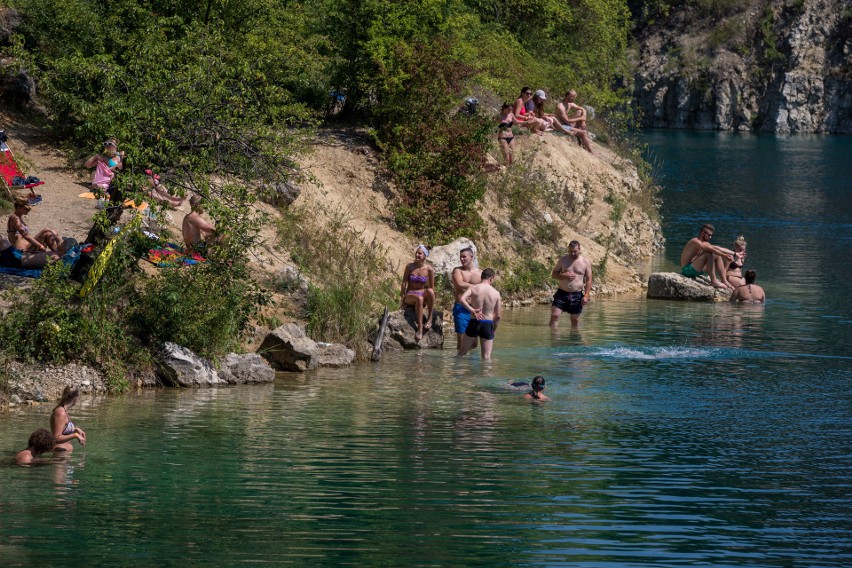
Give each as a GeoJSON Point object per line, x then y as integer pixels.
{"type": "Point", "coordinates": [574, 274]}
{"type": "Point", "coordinates": [463, 277]}
{"type": "Point", "coordinates": [483, 301]}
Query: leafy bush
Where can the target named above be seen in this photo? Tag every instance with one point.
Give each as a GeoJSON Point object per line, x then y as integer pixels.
{"type": "Point", "coordinates": [520, 278]}
{"type": "Point", "coordinates": [198, 307]}
{"type": "Point", "coordinates": [353, 279]}
{"type": "Point", "coordinates": [50, 323]}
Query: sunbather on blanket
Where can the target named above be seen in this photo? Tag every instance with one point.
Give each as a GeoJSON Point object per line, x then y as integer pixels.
{"type": "Point", "coordinates": [46, 241]}
{"type": "Point", "coordinates": [198, 233]}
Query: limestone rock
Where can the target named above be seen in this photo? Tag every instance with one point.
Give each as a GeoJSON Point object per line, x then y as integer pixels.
{"type": "Point", "coordinates": [402, 325]}
{"type": "Point", "coordinates": [10, 19]}
{"type": "Point", "coordinates": [281, 194]}
{"type": "Point", "coordinates": [333, 355]}
{"type": "Point", "coordinates": [674, 286]}
{"type": "Point", "coordinates": [288, 348]}
{"type": "Point", "coordinates": [446, 257]}
{"type": "Point", "coordinates": [806, 89]}
{"type": "Point", "coordinates": [41, 383]}
{"type": "Point", "coordinates": [246, 369]}
{"type": "Point", "coordinates": [181, 367]}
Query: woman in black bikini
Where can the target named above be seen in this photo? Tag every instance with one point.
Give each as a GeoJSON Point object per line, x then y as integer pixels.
{"type": "Point", "coordinates": [418, 288]}
{"type": "Point", "coordinates": [734, 272]}
{"type": "Point", "coordinates": [60, 424]}
{"type": "Point", "coordinates": [505, 136]}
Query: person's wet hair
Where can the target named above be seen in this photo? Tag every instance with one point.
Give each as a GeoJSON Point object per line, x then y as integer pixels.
{"type": "Point", "coordinates": [537, 386]}
{"type": "Point", "coordinates": [41, 441]}
{"type": "Point", "coordinates": [69, 393]}
{"type": "Point", "coordinates": [487, 273]}
{"type": "Point", "coordinates": [750, 275]}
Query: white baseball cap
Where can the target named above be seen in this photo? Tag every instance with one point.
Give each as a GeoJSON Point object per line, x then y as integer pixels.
{"type": "Point", "coordinates": [541, 94]}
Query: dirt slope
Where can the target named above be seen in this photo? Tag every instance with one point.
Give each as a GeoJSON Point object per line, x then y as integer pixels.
{"type": "Point", "coordinates": [350, 179]}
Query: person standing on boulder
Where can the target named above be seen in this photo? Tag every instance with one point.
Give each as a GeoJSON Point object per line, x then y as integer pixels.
{"type": "Point", "coordinates": [574, 274]}
{"type": "Point", "coordinates": [463, 277]}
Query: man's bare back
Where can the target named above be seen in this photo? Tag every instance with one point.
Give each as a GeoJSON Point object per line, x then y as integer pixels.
{"type": "Point", "coordinates": [485, 300]}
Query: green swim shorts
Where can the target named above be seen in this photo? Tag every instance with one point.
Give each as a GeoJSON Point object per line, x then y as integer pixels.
{"type": "Point", "coordinates": [690, 272]}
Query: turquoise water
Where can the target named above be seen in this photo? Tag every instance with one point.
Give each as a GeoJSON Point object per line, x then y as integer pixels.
{"type": "Point", "coordinates": [679, 434]}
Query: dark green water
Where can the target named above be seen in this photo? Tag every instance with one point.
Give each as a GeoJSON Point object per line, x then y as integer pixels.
{"type": "Point", "coordinates": [679, 435]}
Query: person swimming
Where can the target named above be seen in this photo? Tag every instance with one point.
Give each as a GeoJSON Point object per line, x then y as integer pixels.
{"type": "Point", "coordinates": [536, 387]}
{"type": "Point", "coordinates": [535, 390]}
{"type": "Point", "coordinates": [41, 441]}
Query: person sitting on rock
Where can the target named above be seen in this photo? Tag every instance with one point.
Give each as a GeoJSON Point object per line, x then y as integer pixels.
{"type": "Point", "coordinates": [526, 118]}
{"type": "Point", "coordinates": [41, 441]}
{"type": "Point", "coordinates": [700, 257]}
{"type": "Point", "coordinates": [45, 241]}
{"type": "Point", "coordinates": [734, 272]}
{"type": "Point", "coordinates": [198, 233]}
{"type": "Point", "coordinates": [574, 125]}
{"type": "Point", "coordinates": [418, 288]}
{"type": "Point", "coordinates": [749, 293]}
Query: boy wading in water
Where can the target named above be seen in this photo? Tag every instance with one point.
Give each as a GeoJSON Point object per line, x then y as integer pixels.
{"type": "Point", "coordinates": [483, 301]}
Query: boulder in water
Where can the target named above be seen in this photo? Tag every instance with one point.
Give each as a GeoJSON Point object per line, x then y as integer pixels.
{"type": "Point", "coordinates": [674, 286]}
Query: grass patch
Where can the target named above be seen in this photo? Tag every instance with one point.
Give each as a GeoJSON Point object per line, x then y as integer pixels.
{"type": "Point", "coordinates": [521, 277]}
{"type": "Point", "coordinates": [352, 278]}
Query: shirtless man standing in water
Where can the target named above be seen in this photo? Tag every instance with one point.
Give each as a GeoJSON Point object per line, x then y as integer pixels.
{"type": "Point", "coordinates": [574, 273]}
{"type": "Point", "coordinates": [700, 257]}
{"type": "Point", "coordinates": [464, 277]}
{"type": "Point", "coordinates": [483, 301]}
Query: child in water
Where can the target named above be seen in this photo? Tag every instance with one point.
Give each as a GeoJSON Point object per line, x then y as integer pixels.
{"type": "Point", "coordinates": [537, 386]}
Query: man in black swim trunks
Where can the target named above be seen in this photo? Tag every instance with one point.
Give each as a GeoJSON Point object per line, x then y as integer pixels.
{"type": "Point", "coordinates": [483, 301]}
{"type": "Point", "coordinates": [574, 274]}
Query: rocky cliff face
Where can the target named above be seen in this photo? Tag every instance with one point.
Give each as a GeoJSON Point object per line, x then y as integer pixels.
{"type": "Point", "coordinates": [764, 66]}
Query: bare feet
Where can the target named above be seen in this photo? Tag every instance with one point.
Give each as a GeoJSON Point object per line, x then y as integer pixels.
{"type": "Point", "coordinates": [418, 336]}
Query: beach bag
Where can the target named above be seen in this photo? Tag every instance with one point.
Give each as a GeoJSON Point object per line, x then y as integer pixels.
{"type": "Point", "coordinates": [83, 264]}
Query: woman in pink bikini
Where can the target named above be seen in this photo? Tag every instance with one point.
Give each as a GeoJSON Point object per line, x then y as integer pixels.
{"type": "Point", "coordinates": [418, 288]}
{"type": "Point", "coordinates": [524, 116]}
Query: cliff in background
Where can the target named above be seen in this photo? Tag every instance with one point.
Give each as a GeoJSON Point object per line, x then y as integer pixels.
{"type": "Point", "coordinates": [763, 66]}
